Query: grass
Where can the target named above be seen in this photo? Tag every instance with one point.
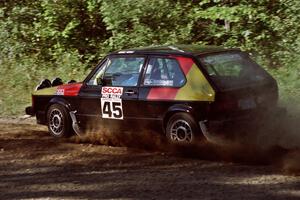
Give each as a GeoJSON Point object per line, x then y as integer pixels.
{"type": "Point", "coordinates": [19, 79]}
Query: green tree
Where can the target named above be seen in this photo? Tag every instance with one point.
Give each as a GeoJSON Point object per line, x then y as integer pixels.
{"type": "Point", "coordinates": [47, 38]}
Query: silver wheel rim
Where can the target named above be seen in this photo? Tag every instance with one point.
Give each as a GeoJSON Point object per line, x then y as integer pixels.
{"type": "Point", "coordinates": [56, 122]}
{"type": "Point", "coordinates": [181, 132]}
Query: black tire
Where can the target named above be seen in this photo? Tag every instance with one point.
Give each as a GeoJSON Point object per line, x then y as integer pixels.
{"type": "Point", "coordinates": [59, 121]}
{"type": "Point", "coordinates": [182, 129]}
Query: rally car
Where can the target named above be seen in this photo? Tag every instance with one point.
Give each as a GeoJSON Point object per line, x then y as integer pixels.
{"type": "Point", "coordinates": [186, 91]}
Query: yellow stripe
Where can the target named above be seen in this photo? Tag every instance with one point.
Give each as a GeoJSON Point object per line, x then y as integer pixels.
{"type": "Point", "coordinates": [197, 88]}
{"type": "Point", "coordinates": [45, 91]}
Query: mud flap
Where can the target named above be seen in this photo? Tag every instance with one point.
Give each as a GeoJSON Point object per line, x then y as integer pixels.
{"type": "Point", "coordinates": [210, 137]}
{"type": "Point", "coordinates": [75, 125]}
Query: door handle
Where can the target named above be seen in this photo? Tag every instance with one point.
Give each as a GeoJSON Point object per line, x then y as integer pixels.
{"type": "Point", "coordinates": [130, 92]}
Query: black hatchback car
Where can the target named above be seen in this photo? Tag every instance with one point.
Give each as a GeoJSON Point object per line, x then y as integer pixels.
{"type": "Point", "coordinates": [186, 91]}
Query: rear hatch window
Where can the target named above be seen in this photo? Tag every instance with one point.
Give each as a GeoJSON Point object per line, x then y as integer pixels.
{"type": "Point", "coordinates": [232, 70]}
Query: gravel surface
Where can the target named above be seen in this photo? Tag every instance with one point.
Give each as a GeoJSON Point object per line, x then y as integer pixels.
{"type": "Point", "coordinates": [34, 165]}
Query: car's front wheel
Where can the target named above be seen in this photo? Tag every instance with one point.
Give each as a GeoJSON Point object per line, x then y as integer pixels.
{"type": "Point", "coordinates": [182, 129]}
{"type": "Point", "coordinates": [59, 121]}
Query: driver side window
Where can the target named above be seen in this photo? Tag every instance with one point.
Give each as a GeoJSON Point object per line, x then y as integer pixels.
{"type": "Point", "coordinates": [96, 78]}
{"type": "Point", "coordinates": [119, 71]}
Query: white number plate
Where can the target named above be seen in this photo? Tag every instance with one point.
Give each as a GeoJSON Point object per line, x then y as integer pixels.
{"type": "Point", "coordinates": [111, 102]}
{"type": "Point", "coordinates": [246, 104]}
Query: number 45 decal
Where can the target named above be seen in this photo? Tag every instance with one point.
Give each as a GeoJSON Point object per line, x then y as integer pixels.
{"type": "Point", "coordinates": [111, 109]}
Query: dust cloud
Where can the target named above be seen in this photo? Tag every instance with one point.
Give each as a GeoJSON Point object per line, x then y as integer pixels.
{"type": "Point", "coordinates": [275, 142]}
{"type": "Point", "coordinates": [116, 136]}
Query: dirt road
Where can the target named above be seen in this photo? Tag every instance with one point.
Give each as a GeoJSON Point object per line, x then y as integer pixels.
{"type": "Point", "coordinates": [33, 165]}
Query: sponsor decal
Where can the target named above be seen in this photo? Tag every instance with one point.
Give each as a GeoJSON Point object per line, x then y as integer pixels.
{"type": "Point", "coordinates": [71, 89]}
{"type": "Point", "coordinates": [158, 82]}
{"type": "Point", "coordinates": [123, 52]}
{"type": "Point", "coordinates": [111, 92]}
{"type": "Point", "coordinates": [60, 91]}
{"type": "Point", "coordinates": [111, 102]}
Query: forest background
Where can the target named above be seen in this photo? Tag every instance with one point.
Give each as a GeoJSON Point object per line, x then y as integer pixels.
{"type": "Point", "coordinates": [66, 38]}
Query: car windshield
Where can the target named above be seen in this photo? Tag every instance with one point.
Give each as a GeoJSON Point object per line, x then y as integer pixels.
{"type": "Point", "coordinates": [230, 70]}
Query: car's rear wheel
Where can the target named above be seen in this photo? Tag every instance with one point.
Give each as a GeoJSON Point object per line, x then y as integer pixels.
{"type": "Point", "coordinates": [182, 129]}
{"type": "Point", "coordinates": [59, 121]}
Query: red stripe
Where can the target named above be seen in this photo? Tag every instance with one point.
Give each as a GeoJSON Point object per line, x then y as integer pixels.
{"type": "Point", "coordinates": [70, 89]}
{"type": "Point", "coordinates": [162, 93]}
{"type": "Point", "coordinates": [185, 63]}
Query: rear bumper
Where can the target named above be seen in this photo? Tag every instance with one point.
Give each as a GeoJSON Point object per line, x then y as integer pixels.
{"type": "Point", "coordinates": [213, 128]}
{"type": "Point", "coordinates": [29, 111]}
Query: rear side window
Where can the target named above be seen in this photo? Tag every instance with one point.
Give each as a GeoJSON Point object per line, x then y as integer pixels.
{"type": "Point", "coordinates": [232, 69]}
{"type": "Point", "coordinates": [163, 72]}
{"type": "Point", "coordinates": [224, 64]}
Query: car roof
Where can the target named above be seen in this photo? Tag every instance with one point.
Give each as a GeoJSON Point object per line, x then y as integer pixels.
{"type": "Point", "coordinates": [191, 50]}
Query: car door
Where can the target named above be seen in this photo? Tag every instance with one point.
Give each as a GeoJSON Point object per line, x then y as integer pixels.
{"type": "Point", "coordinates": [161, 82]}
{"type": "Point", "coordinates": [110, 95]}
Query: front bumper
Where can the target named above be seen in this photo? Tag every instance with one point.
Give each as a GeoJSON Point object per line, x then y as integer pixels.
{"type": "Point", "coordinates": [29, 111]}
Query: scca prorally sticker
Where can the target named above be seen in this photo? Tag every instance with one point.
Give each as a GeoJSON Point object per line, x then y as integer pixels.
{"type": "Point", "coordinates": [60, 92]}
{"type": "Point", "coordinates": [111, 102]}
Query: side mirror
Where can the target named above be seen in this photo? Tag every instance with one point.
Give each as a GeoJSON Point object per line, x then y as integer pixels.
{"type": "Point", "coordinates": [99, 81]}
{"type": "Point", "coordinates": [106, 81]}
